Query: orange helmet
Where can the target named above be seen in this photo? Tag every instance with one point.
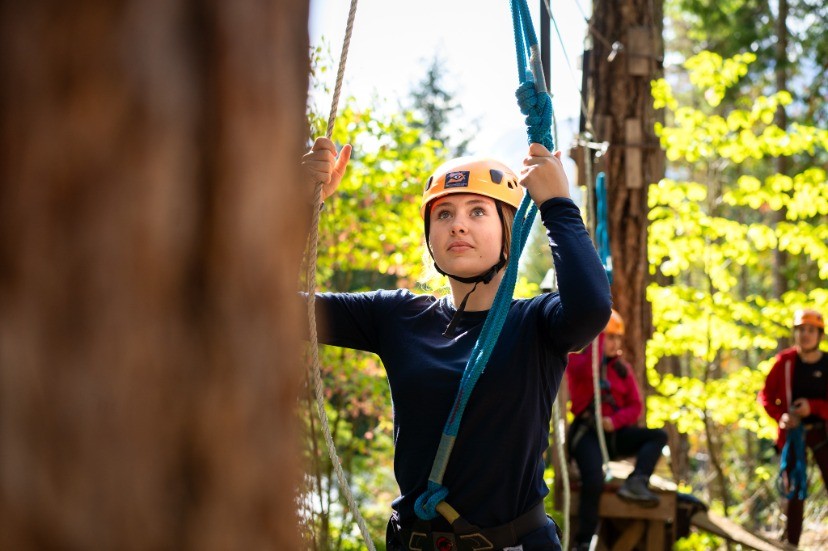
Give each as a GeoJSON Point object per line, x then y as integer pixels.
{"type": "Point", "coordinates": [473, 175]}
{"type": "Point", "coordinates": [615, 325]}
{"type": "Point", "coordinates": [807, 316]}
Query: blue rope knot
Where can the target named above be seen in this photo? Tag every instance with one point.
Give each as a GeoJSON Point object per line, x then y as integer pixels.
{"type": "Point", "coordinates": [798, 476]}
{"type": "Point", "coordinates": [537, 106]}
{"type": "Point", "coordinates": [426, 505]}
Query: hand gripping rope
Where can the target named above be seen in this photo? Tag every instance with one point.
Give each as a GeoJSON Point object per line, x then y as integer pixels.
{"type": "Point", "coordinates": [536, 104]}
{"type": "Point", "coordinates": [311, 280]}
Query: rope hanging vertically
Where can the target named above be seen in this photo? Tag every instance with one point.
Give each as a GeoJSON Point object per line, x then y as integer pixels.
{"type": "Point", "coordinates": [535, 103]}
{"type": "Point", "coordinates": [602, 224]}
{"type": "Point", "coordinates": [311, 302]}
{"type": "Point", "coordinates": [798, 474]}
{"type": "Point", "coordinates": [597, 362]}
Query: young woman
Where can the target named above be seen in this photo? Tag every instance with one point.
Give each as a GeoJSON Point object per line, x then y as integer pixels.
{"type": "Point", "coordinates": [621, 408]}
{"type": "Point", "coordinates": [796, 393]}
{"type": "Point", "coordinates": [495, 472]}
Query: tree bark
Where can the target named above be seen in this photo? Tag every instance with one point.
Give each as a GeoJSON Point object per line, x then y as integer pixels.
{"type": "Point", "coordinates": [622, 109]}
{"type": "Point", "coordinates": [780, 257]}
{"type": "Point", "coordinates": [150, 245]}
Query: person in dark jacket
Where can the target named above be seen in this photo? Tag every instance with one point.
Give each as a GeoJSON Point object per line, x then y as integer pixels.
{"type": "Point", "coordinates": [796, 394]}
{"type": "Point", "coordinates": [494, 476]}
{"type": "Point", "coordinates": [621, 409]}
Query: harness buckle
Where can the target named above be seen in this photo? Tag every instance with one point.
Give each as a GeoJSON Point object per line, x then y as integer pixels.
{"type": "Point", "coordinates": [443, 541]}
{"type": "Point", "coordinates": [415, 542]}
{"type": "Point", "coordinates": [477, 541]}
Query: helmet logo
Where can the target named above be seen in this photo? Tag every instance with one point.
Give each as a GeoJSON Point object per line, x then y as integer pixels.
{"type": "Point", "coordinates": [459, 178]}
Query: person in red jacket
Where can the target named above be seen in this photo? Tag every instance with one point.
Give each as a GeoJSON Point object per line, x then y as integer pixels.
{"type": "Point", "coordinates": [796, 393]}
{"type": "Point", "coordinates": [621, 408]}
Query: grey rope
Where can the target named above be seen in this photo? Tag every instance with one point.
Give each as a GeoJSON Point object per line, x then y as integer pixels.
{"type": "Point", "coordinates": [560, 431]}
{"type": "Point", "coordinates": [599, 417]}
{"type": "Point", "coordinates": [311, 280]}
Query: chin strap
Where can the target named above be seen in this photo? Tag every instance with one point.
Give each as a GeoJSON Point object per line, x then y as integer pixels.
{"type": "Point", "coordinates": [449, 332]}
{"type": "Point", "coordinates": [486, 277]}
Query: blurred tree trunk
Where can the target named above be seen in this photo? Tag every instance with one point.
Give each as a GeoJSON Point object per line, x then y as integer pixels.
{"type": "Point", "coordinates": [150, 244]}
{"type": "Point", "coordinates": [622, 114]}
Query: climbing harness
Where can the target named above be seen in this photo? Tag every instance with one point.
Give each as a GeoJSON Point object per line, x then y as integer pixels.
{"type": "Point", "coordinates": [536, 104]}
{"type": "Point", "coordinates": [311, 281]}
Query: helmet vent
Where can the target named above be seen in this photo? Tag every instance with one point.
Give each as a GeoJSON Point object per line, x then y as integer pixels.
{"type": "Point", "coordinates": [497, 175]}
{"type": "Point", "coordinates": [428, 184]}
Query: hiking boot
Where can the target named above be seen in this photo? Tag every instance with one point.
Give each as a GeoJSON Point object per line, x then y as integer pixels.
{"type": "Point", "coordinates": [635, 490]}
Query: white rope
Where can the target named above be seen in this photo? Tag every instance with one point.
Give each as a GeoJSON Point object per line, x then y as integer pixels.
{"type": "Point", "coordinates": [599, 427]}
{"type": "Point", "coordinates": [599, 417]}
{"type": "Point", "coordinates": [311, 280]}
{"type": "Point", "coordinates": [560, 429]}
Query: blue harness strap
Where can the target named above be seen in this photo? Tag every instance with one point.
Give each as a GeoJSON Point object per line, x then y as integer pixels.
{"type": "Point", "coordinates": [536, 104]}
{"type": "Point", "coordinates": [601, 224]}
{"type": "Point", "coordinates": [797, 475]}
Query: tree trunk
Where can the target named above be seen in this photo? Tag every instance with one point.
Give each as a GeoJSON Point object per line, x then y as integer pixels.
{"type": "Point", "coordinates": [780, 257]}
{"type": "Point", "coordinates": [150, 244]}
{"type": "Point", "coordinates": [623, 115]}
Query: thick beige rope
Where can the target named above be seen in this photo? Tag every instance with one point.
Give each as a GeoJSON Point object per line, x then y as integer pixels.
{"type": "Point", "coordinates": [311, 280]}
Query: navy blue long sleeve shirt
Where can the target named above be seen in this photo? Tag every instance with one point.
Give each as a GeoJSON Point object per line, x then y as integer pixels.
{"type": "Point", "coordinates": [495, 472]}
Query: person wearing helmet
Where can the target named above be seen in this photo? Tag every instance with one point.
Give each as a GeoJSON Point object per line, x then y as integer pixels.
{"type": "Point", "coordinates": [495, 473]}
{"type": "Point", "coordinates": [620, 410]}
{"type": "Point", "coordinates": [796, 393]}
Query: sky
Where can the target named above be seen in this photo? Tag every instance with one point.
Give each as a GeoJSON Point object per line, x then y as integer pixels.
{"type": "Point", "coordinates": [392, 44]}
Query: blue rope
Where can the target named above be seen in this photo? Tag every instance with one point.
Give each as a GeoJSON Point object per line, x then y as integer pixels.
{"type": "Point", "coordinates": [601, 225]}
{"type": "Point", "coordinates": [533, 99]}
{"type": "Point", "coordinates": [798, 477]}
{"type": "Point", "coordinates": [537, 105]}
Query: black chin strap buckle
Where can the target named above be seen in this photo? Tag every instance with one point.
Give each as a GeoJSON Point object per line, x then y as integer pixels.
{"type": "Point", "coordinates": [455, 319]}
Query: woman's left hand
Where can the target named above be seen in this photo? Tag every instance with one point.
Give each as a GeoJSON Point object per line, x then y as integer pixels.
{"type": "Point", "coordinates": [801, 407]}
{"type": "Point", "coordinates": [607, 424]}
{"type": "Point", "coordinates": [543, 174]}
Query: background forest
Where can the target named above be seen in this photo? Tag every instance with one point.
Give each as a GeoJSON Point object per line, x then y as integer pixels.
{"type": "Point", "coordinates": [737, 240]}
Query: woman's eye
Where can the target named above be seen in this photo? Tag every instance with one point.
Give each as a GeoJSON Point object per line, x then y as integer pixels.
{"type": "Point", "coordinates": [478, 211]}
{"type": "Point", "coordinates": [442, 215]}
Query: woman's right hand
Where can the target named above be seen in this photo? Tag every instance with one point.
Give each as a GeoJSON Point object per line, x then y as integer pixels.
{"type": "Point", "coordinates": [788, 421]}
{"type": "Point", "coordinates": [322, 165]}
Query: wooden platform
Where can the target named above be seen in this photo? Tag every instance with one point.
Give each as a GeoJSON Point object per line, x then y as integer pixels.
{"type": "Point", "coordinates": [722, 527]}
{"type": "Point", "coordinates": [629, 527]}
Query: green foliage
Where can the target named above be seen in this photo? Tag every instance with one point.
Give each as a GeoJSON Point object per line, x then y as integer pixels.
{"type": "Point", "coordinates": [698, 541]}
{"type": "Point", "coordinates": [712, 242]}
{"type": "Point", "coordinates": [732, 26]}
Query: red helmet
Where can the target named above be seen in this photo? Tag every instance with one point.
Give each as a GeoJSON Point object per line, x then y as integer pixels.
{"type": "Point", "coordinates": [808, 316]}
{"type": "Point", "coordinates": [615, 325]}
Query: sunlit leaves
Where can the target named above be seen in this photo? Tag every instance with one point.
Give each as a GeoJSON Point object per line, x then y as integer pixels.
{"type": "Point", "coordinates": [711, 245]}
{"type": "Point", "coordinates": [373, 222]}
{"type": "Point", "coordinates": [713, 75]}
